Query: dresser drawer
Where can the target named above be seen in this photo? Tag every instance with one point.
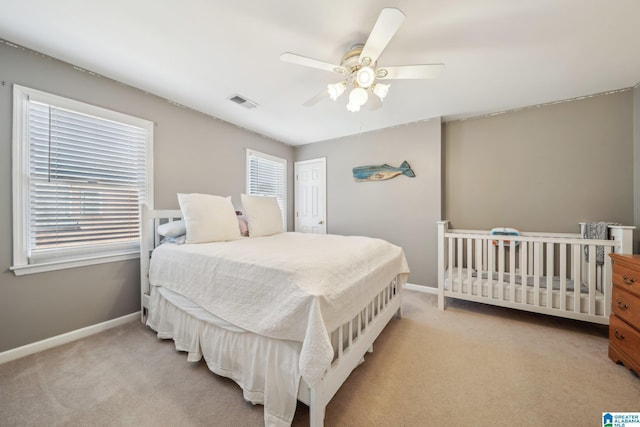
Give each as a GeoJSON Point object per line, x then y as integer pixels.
{"type": "Point", "coordinates": [627, 278]}
{"type": "Point", "coordinates": [626, 306]}
{"type": "Point", "coordinates": [624, 338]}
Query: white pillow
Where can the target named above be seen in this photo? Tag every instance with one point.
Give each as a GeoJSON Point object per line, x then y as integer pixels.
{"type": "Point", "coordinates": [172, 229]}
{"type": "Point", "coordinates": [208, 218]}
{"type": "Point", "coordinates": [263, 215]}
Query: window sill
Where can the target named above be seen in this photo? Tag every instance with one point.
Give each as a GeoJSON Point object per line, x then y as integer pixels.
{"type": "Point", "coordinates": [20, 270]}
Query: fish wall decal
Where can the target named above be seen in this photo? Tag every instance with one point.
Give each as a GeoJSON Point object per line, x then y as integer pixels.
{"type": "Point", "coordinates": [382, 172]}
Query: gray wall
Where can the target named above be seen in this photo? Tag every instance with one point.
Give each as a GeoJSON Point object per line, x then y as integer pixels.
{"type": "Point", "coordinates": [192, 153]}
{"type": "Point", "coordinates": [543, 168]}
{"type": "Point", "coordinates": [401, 210]}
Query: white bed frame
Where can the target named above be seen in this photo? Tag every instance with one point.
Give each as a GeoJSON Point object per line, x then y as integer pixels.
{"type": "Point", "coordinates": [474, 265]}
{"type": "Point", "coordinates": [351, 340]}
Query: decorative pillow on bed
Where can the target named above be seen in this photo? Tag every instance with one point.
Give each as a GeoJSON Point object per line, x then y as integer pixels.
{"type": "Point", "coordinates": [178, 240]}
{"type": "Point", "coordinates": [263, 215]}
{"type": "Point", "coordinates": [172, 229]}
{"type": "Point", "coordinates": [208, 218]}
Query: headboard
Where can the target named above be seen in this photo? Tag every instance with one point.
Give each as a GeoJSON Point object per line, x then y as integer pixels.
{"type": "Point", "coordinates": [149, 238]}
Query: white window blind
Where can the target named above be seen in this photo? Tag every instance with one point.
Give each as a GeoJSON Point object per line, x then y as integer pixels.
{"type": "Point", "coordinates": [84, 176]}
{"type": "Point", "coordinates": [267, 176]}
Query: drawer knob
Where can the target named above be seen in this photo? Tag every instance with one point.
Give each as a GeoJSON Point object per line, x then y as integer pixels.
{"type": "Point", "coordinates": [628, 281]}
{"type": "Point", "coordinates": [618, 335]}
{"type": "Point", "coordinates": [621, 306]}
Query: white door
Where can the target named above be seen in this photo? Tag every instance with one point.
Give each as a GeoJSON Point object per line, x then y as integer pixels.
{"type": "Point", "coordinates": [311, 202]}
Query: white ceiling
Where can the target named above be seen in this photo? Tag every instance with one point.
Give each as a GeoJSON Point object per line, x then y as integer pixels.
{"type": "Point", "coordinates": [499, 54]}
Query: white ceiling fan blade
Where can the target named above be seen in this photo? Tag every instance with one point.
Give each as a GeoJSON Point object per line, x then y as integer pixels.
{"type": "Point", "coordinates": [310, 62]}
{"type": "Point", "coordinates": [383, 31]}
{"type": "Point", "coordinates": [425, 71]}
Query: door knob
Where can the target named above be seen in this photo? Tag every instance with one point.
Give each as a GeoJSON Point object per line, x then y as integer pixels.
{"type": "Point", "coordinates": [321, 222]}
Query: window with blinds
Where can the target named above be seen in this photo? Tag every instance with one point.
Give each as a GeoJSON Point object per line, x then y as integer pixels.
{"type": "Point", "coordinates": [267, 176]}
{"type": "Point", "coordinates": [84, 174]}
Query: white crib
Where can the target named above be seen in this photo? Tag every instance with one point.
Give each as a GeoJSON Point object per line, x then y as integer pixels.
{"type": "Point", "coordinates": [548, 273]}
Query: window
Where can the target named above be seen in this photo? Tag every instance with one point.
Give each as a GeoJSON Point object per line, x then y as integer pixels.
{"type": "Point", "coordinates": [267, 176]}
{"type": "Point", "coordinates": [80, 173]}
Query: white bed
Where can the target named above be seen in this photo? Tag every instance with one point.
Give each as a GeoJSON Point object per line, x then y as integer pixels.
{"type": "Point", "coordinates": [288, 317]}
{"type": "Point", "coordinates": [535, 272]}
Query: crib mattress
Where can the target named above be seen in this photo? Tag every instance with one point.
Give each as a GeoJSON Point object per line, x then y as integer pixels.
{"type": "Point", "coordinates": [556, 281]}
{"type": "Point", "coordinates": [479, 287]}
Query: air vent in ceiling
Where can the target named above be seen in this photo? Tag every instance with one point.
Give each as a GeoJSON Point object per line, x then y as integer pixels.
{"type": "Point", "coordinates": [243, 102]}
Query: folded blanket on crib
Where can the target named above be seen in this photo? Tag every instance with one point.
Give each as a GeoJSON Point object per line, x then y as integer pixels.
{"type": "Point", "coordinates": [596, 231]}
{"type": "Point", "coordinates": [542, 281]}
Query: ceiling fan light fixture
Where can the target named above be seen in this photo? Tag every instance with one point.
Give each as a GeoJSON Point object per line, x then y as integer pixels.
{"type": "Point", "coordinates": [358, 96]}
{"type": "Point", "coordinates": [365, 77]}
{"type": "Point", "coordinates": [336, 89]}
{"type": "Point", "coordinates": [381, 90]}
{"type": "Point", "coordinates": [353, 108]}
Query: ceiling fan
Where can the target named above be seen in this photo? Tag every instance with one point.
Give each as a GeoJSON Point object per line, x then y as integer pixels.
{"type": "Point", "coordinates": [359, 65]}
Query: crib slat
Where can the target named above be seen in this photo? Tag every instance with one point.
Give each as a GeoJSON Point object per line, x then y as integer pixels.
{"type": "Point", "coordinates": [563, 276]}
{"type": "Point", "coordinates": [484, 256]}
{"type": "Point", "coordinates": [536, 273]}
{"type": "Point", "coordinates": [451, 263]}
{"type": "Point", "coordinates": [459, 262]}
{"type": "Point", "coordinates": [490, 268]}
{"type": "Point", "coordinates": [501, 270]}
{"type": "Point", "coordinates": [523, 272]}
{"type": "Point", "coordinates": [512, 272]}
{"type": "Point", "coordinates": [469, 265]}
{"type": "Point", "coordinates": [577, 280]}
{"type": "Point", "coordinates": [479, 267]}
{"type": "Point", "coordinates": [592, 279]}
{"type": "Point", "coordinates": [550, 273]}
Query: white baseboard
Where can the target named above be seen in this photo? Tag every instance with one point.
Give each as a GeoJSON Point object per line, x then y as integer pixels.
{"type": "Point", "coordinates": [48, 343]}
{"type": "Point", "coordinates": [421, 288]}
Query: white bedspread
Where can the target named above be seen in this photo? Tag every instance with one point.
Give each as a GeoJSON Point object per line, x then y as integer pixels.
{"type": "Point", "coordinates": [291, 286]}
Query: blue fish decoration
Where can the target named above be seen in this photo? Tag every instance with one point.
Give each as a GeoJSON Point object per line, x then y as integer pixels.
{"type": "Point", "coordinates": [382, 172]}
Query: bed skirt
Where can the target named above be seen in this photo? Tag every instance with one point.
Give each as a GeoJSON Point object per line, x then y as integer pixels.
{"type": "Point", "coordinates": [271, 379]}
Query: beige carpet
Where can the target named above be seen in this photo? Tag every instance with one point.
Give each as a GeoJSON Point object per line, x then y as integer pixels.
{"type": "Point", "coordinates": [470, 365]}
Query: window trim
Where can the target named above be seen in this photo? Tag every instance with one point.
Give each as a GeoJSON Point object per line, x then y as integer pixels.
{"type": "Point", "coordinates": [20, 163]}
{"type": "Point", "coordinates": [281, 160]}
